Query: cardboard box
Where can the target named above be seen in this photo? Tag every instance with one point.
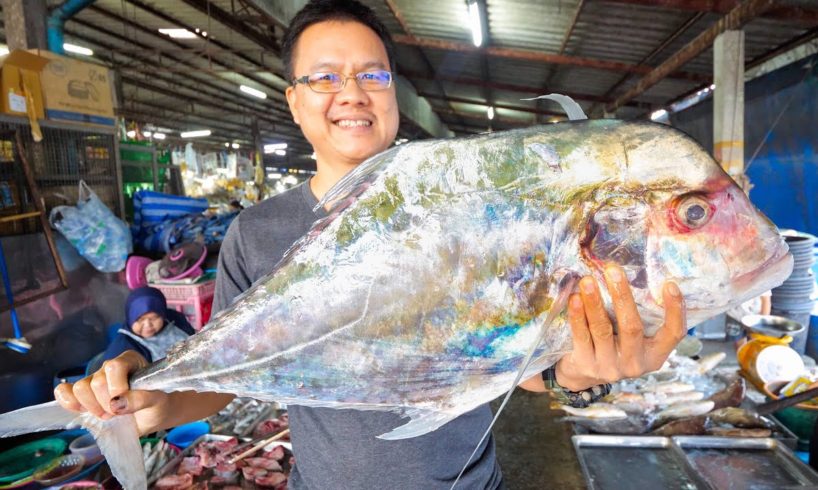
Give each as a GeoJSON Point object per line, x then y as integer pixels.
{"type": "Point", "coordinates": [76, 91]}
{"type": "Point", "coordinates": [22, 94]}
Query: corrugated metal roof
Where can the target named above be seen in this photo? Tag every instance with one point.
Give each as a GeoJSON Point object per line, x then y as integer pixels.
{"type": "Point", "coordinates": [191, 81]}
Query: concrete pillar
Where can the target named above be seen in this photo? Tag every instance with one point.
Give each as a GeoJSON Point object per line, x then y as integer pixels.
{"type": "Point", "coordinates": [728, 104]}
{"type": "Point", "coordinates": [25, 23]}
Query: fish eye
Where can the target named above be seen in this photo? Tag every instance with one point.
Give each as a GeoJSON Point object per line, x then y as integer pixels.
{"type": "Point", "coordinates": [694, 211]}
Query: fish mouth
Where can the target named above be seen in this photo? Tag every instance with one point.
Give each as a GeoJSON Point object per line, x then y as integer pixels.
{"type": "Point", "coordinates": [778, 265]}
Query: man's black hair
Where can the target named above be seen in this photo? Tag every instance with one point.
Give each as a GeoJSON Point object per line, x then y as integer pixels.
{"type": "Point", "coordinates": [332, 10]}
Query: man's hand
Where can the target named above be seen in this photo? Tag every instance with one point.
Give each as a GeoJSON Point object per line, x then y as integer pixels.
{"type": "Point", "coordinates": [105, 393]}
{"type": "Point", "coordinates": [599, 356]}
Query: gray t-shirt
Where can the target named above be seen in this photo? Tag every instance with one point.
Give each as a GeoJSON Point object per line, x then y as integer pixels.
{"type": "Point", "coordinates": [338, 448]}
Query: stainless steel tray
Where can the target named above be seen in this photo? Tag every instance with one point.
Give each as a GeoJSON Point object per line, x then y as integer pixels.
{"type": "Point", "coordinates": [780, 433]}
{"type": "Point", "coordinates": [688, 462]}
{"type": "Point", "coordinates": [728, 463]}
{"type": "Point", "coordinates": [633, 463]}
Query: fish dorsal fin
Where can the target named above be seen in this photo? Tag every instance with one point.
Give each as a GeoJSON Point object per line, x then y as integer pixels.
{"type": "Point", "coordinates": [355, 182]}
{"type": "Point", "coordinates": [567, 284]}
{"type": "Point", "coordinates": [569, 105]}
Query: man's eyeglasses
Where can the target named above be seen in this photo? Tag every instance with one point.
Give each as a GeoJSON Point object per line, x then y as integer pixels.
{"type": "Point", "coordinates": [331, 82]}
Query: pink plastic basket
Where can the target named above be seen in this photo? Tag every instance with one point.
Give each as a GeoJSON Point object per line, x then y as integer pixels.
{"type": "Point", "coordinates": [135, 271]}
{"type": "Point", "coordinates": [195, 301]}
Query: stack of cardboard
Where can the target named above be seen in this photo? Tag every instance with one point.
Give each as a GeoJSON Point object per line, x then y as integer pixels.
{"type": "Point", "coordinates": [39, 84]}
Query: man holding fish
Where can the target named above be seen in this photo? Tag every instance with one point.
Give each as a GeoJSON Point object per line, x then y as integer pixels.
{"type": "Point", "coordinates": [339, 57]}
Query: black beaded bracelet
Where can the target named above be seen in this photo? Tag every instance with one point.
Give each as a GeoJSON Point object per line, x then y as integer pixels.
{"type": "Point", "coordinates": [576, 399]}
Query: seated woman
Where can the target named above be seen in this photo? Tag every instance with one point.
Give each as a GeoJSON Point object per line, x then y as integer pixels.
{"type": "Point", "coordinates": [152, 327]}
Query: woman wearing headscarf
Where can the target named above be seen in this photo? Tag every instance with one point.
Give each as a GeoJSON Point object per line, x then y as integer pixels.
{"type": "Point", "coordinates": [152, 327]}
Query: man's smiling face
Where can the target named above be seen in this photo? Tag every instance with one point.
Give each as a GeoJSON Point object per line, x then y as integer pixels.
{"type": "Point", "coordinates": [347, 127]}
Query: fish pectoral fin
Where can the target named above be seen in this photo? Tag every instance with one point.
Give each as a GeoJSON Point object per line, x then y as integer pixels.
{"type": "Point", "coordinates": [118, 440]}
{"type": "Point", "coordinates": [422, 422]}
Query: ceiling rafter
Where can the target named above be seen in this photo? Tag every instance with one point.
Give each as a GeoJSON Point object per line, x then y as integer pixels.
{"type": "Point", "coordinates": [269, 103]}
{"type": "Point", "coordinates": [463, 100]}
{"type": "Point", "coordinates": [393, 7]}
{"type": "Point", "coordinates": [658, 49]}
{"type": "Point", "coordinates": [157, 13]}
{"type": "Point", "coordinates": [537, 56]}
{"type": "Point", "coordinates": [737, 17]}
{"type": "Point", "coordinates": [229, 20]}
{"type": "Point", "coordinates": [245, 107]}
{"type": "Point", "coordinates": [515, 88]}
{"type": "Point", "coordinates": [482, 117]}
{"type": "Point", "coordinates": [789, 13]}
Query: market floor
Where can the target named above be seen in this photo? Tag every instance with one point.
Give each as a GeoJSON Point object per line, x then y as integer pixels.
{"type": "Point", "coordinates": [535, 450]}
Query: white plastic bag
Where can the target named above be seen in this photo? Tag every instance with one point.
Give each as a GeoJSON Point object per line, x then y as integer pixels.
{"type": "Point", "coordinates": [98, 235]}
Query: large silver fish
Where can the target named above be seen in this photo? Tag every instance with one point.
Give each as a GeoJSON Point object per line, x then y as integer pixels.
{"type": "Point", "coordinates": [433, 275]}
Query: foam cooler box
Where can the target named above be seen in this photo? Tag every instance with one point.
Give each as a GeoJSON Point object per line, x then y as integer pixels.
{"type": "Point", "coordinates": [195, 301]}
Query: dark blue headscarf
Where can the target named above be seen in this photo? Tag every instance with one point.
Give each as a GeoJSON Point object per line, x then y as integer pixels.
{"type": "Point", "coordinates": [145, 300]}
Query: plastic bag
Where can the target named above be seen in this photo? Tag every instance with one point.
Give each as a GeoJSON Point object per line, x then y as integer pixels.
{"type": "Point", "coordinates": [98, 235]}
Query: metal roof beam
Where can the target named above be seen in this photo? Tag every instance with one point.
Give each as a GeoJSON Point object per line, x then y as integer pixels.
{"type": "Point", "coordinates": [462, 100]}
{"type": "Point", "coordinates": [157, 13]}
{"type": "Point", "coordinates": [536, 56]}
{"type": "Point", "coordinates": [220, 91]}
{"type": "Point", "coordinates": [790, 13]}
{"type": "Point", "coordinates": [279, 11]}
{"type": "Point", "coordinates": [658, 49]}
{"type": "Point", "coordinates": [276, 92]}
{"type": "Point", "coordinates": [227, 19]}
{"type": "Point", "coordinates": [221, 125]}
{"type": "Point", "coordinates": [393, 7]}
{"type": "Point", "coordinates": [515, 88]}
{"type": "Point", "coordinates": [746, 11]}
{"type": "Point", "coordinates": [478, 117]}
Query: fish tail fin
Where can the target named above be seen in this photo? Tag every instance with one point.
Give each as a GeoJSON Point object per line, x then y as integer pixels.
{"type": "Point", "coordinates": [566, 287]}
{"type": "Point", "coordinates": [118, 437]}
{"type": "Point", "coordinates": [46, 416]}
{"type": "Point", "coordinates": [423, 422]}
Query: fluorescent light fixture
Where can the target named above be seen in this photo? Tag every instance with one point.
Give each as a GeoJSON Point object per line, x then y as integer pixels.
{"type": "Point", "coordinates": [280, 153]}
{"type": "Point", "coordinates": [159, 136]}
{"type": "Point", "coordinates": [4, 50]}
{"type": "Point", "coordinates": [176, 33]}
{"type": "Point", "coordinates": [73, 48]}
{"type": "Point", "coordinates": [253, 92]}
{"type": "Point", "coordinates": [226, 144]}
{"type": "Point", "coordinates": [274, 176]}
{"type": "Point", "coordinates": [147, 134]}
{"type": "Point", "coordinates": [272, 147]}
{"type": "Point", "coordinates": [713, 87]}
{"type": "Point", "coordinates": [196, 134]}
{"type": "Point", "coordinates": [204, 33]}
{"type": "Point", "coordinates": [474, 20]}
{"type": "Point", "coordinates": [656, 115]}
{"type": "Point", "coordinates": [131, 134]}
{"type": "Point", "coordinates": [313, 156]}
{"type": "Point", "coordinates": [490, 113]}
{"type": "Point", "coordinates": [235, 146]}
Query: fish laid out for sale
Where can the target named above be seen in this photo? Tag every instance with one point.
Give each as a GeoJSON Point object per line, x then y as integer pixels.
{"type": "Point", "coordinates": [440, 276]}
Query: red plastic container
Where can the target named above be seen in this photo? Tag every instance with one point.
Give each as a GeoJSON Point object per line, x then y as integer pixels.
{"type": "Point", "coordinates": [195, 301]}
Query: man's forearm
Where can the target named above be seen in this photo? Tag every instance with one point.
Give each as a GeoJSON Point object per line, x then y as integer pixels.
{"type": "Point", "coordinates": [189, 406]}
